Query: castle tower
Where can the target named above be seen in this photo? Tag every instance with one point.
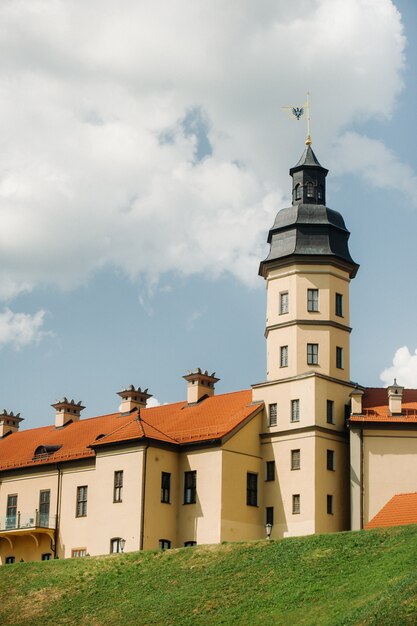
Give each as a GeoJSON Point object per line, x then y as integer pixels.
{"type": "Point", "coordinates": [307, 273]}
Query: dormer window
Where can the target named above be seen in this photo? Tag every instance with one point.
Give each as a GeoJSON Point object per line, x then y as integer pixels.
{"type": "Point", "coordinates": [310, 190]}
{"type": "Point", "coordinates": [43, 452]}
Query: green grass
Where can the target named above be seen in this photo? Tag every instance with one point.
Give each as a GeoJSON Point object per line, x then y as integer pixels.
{"type": "Point", "coordinates": [347, 578]}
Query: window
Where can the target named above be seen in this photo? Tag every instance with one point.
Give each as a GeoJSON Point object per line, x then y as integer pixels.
{"type": "Point", "coordinates": [164, 544]}
{"type": "Point", "coordinates": [312, 300]}
{"type": "Point", "coordinates": [273, 414]}
{"type": "Point", "coordinates": [118, 486]}
{"type": "Point", "coordinates": [295, 410]}
{"type": "Point", "coordinates": [81, 501]}
{"type": "Point", "coordinates": [339, 358]}
{"type": "Point", "coordinates": [270, 470]}
{"type": "Point", "coordinates": [330, 412]}
{"type": "Point", "coordinates": [296, 504]}
{"type": "Point", "coordinates": [295, 459]}
{"type": "Point", "coordinates": [78, 552]}
{"type": "Point", "coordinates": [44, 506]}
{"type": "Point", "coordinates": [190, 487]}
{"type": "Point", "coordinates": [46, 557]}
{"type": "Point", "coordinates": [283, 302]}
{"type": "Point", "coordinates": [269, 515]}
{"type": "Point", "coordinates": [165, 487]}
{"type": "Point", "coordinates": [310, 190]}
{"type": "Point", "coordinates": [252, 489]}
{"type": "Point", "coordinates": [189, 544]}
{"type": "Point", "coordinates": [330, 459]}
{"type": "Point", "coordinates": [9, 560]}
{"type": "Point", "coordinates": [329, 505]}
{"type": "Point", "coordinates": [116, 545]}
{"type": "Point", "coordinates": [298, 192]}
{"type": "Point", "coordinates": [319, 192]}
{"type": "Point", "coordinates": [283, 360]}
{"type": "Point", "coordinates": [11, 511]}
{"type": "Point", "coordinates": [312, 354]}
{"type": "Point", "coordinates": [339, 304]}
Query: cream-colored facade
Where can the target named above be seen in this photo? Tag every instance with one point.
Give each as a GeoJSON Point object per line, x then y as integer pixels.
{"type": "Point", "coordinates": [222, 468]}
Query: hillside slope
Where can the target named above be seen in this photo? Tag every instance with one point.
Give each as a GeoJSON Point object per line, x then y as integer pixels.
{"type": "Point", "coordinates": [367, 577]}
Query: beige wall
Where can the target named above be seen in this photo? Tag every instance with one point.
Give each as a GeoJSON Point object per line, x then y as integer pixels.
{"type": "Point", "coordinates": [242, 454]}
{"type": "Point", "coordinates": [389, 468]}
{"type": "Point", "coordinates": [297, 279]}
{"type": "Point", "coordinates": [331, 482]}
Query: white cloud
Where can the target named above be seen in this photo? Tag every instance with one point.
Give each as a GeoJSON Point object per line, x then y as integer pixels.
{"type": "Point", "coordinates": [403, 368]}
{"type": "Point", "coordinates": [98, 165]}
{"type": "Point", "coordinates": [152, 402]}
{"type": "Point", "coordinates": [20, 329]}
{"type": "Point", "coordinates": [373, 161]}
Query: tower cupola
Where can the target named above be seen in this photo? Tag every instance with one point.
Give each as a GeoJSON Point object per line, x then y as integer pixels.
{"type": "Point", "coordinates": [308, 179]}
{"type": "Point", "coordinates": [308, 231]}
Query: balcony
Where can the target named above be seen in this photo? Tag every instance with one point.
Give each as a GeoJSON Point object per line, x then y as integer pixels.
{"type": "Point", "coordinates": [32, 525]}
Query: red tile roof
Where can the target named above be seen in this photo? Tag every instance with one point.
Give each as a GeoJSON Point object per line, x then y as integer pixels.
{"type": "Point", "coordinates": [174, 423]}
{"type": "Point", "coordinates": [375, 407]}
{"type": "Point", "coordinates": [399, 511]}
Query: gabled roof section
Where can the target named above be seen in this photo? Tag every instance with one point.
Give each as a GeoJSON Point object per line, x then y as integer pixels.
{"type": "Point", "coordinates": [375, 407]}
{"type": "Point", "coordinates": [178, 423]}
{"type": "Point", "coordinates": [399, 511]}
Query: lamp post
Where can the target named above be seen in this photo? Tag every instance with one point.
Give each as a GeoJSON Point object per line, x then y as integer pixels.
{"type": "Point", "coordinates": [122, 544]}
{"type": "Point", "coordinates": [268, 529]}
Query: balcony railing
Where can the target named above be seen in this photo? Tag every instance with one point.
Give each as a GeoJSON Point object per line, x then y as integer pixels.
{"type": "Point", "coordinates": [22, 521]}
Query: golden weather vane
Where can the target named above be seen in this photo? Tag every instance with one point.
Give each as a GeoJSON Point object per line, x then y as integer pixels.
{"type": "Point", "coordinates": [298, 112]}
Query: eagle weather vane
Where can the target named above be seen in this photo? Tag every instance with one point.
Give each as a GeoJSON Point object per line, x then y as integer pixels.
{"type": "Point", "coordinates": [298, 112]}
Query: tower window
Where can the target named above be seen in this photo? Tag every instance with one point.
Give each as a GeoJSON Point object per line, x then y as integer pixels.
{"type": "Point", "coordinates": [312, 354]}
{"type": "Point", "coordinates": [296, 504]}
{"type": "Point", "coordinates": [330, 412]}
{"type": "Point", "coordinates": [312, 300]}
{"type": "Point", "coordinates": [283, 356]}
{"type": "Point", "coordinates": [319, 192]}
{"type": "Point", "coordinates": [330, 460]}
{"type": "Point", "coordinates": [273, 414]}
{"type": "Point", "coordinates": [339, 304]}
{"type": "Point", "coordinates": [297, 192]}
{"type": "Point", "coordinates": [269, 515]}
{"type": "Point", "coordinates": [310, 190]}
{"type": "Point", "coordinates": [270, 470]}
{"type": "Point", "coordinates": [329, 505]}
{"type": "Point", "coordinates": [295, 410]}
{"type": "Point", "coordinates": [295, 459]}
{"type": "Point", "coordinates": [339, 357]}
{"type": "Point", "coordinates": [283, 302]}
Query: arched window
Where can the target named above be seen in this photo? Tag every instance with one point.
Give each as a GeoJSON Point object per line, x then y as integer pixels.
{"type": "Point", "coordinates": [297, 192]}
{"type": "Point", "coordinates": [310, 190]}
{"type": "Point", "coordinates": [319, 192]}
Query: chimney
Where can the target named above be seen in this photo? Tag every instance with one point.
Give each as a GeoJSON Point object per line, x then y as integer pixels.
{"type": "Point", "coordinates": [133, 399]}
{"type": "Point", "coordinates": [9, 423]}
{"type": "Point", "coordinates": [67, 411]}
{"type": "Point", "coordinates": [395, 396]}
{"type": "Point", "coordinates": [200, 385]}
{"type": "Point", "coordinates": [356, 401]}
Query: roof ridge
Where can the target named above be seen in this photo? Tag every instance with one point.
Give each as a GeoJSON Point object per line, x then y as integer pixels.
{"type": "Point", "coordinates": [119, 428]}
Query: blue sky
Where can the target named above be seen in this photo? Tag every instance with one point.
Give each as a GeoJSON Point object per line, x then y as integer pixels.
{"type": "Point", "coordinates": [144, 157]}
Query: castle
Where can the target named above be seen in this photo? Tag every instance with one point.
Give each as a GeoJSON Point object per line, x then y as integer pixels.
{"type": "Point", "coordinates": [305, 451]}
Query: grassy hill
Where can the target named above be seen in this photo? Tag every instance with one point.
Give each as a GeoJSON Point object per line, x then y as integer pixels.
{"type": "Point", "coordinates": [348, 578]}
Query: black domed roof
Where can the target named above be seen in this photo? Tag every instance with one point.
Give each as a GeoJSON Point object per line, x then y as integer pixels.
{"type": "Point", "coordinates": [310, 231]}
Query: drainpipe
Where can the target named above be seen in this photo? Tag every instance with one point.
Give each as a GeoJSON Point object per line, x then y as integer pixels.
{"type": "Point", "coordinates": [142, 529]}
{"type": "Point", "coordinates": [362, 478]}
{"type": "Point", "coordinates": [58, 510]}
